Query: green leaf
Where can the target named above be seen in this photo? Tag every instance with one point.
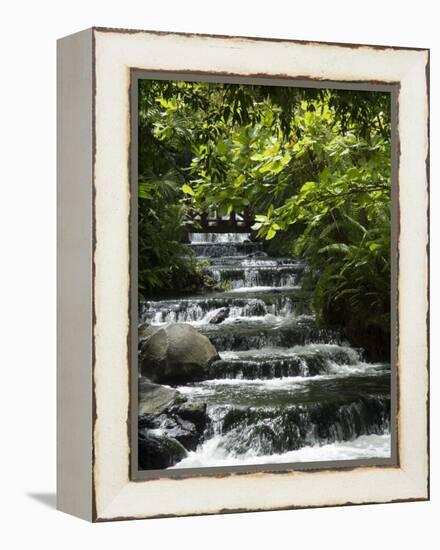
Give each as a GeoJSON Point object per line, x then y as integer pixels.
{"type": "Point", "coordinates": [338, 248]}
{"type": "Point", "coordinates": [353, 173]}
{"type": "Point", "coordinates": [309, 186]}
{"type": "Point", "coordinates": [187, 189]}
{"type": "Point", "coordinates": [325, 175]}
{"type": "Point", "coordinates": [270, 234]}
{"type": "Point", "coordinates": [222, 148]}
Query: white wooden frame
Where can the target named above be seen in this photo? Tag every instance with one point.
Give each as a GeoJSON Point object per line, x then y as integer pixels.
{"type": "Point", "coordinates": [94, 208]}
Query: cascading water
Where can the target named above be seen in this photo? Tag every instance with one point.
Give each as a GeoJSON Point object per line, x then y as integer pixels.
{"type": "Point", "coordinates": [284, 390]}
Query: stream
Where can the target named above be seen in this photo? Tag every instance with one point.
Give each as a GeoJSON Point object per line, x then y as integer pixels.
{"type": "Point", "coordinates": [284, 390]}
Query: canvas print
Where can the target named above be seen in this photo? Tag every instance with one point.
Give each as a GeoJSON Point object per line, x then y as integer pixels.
{"type": "Point", "coordinates": [264, 274]}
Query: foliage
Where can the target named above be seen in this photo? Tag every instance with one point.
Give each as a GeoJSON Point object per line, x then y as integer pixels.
{"type": "Point", "coordinates": [312, 167]}
{"type": "Point", "coordinates": [165, 264]}
{"type": "Point", "coordinates": [344, 212]}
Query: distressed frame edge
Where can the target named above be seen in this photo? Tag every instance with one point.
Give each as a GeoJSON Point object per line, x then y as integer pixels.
{"type": "Point", "coordinates": [231, 511]}
{"type": "Point", "coordinates": [137, 475]}
{"type": "Point", "coordinates": [351, 45]}
{"type": "Point", "coordinates": [93, 516]}
{"type": "Point", "coordinates": [74, 274]}
{"type": "Point", "coordinates": [425, 496]}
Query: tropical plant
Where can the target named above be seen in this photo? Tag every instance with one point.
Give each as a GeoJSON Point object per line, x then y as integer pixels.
{"type": "Point", "coordinates": [312, 167]}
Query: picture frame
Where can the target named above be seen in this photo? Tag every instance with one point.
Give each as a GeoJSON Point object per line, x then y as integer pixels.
{"type": "Point", "coordinates": [98, 70]}
{"type": "Point", "coordinates": [166, 309]}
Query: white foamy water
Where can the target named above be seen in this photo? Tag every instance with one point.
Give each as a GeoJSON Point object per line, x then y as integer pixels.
{"type": "Point", "coordinates": [257, 319]}
{"type": "Point", "coordinates": [209, 238]}
{"type": "Point", "coordinates": [261, 398]}
{"type": "Point", "coordinates": [268, 351]}
{"type": "Point", "coordinates": [244, 289]}
{"type": "Point", "coordinates": [196, 391]}
{"type": "Point", "coordinates": [358, 368]}
{"type": "Point", "coordinates": [286, 382]}
{"type": "Point", "coordinates": [211, 453]}
{"type": "Point", "coordinates": [263, 288]}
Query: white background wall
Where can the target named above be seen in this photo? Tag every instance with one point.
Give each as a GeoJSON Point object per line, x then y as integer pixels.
{"type": "Point", "coordinates": [27, 300]}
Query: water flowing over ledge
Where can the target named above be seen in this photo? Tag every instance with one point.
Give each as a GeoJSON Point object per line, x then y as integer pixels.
{"type": "Point", "coordinates": [212, 454]}
{"type": "Point", "coordinates": [284, 389]}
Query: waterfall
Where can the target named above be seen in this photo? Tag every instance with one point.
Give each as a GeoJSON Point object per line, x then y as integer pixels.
{"type": "Point", "coordinates": [284, 389]}
{"type": "Point", "coordinates": [207, 238]}
{"type": "Point", "coordinates": [276, 430]}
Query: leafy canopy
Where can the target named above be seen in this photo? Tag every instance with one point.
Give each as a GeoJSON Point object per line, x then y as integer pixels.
{"type": "Point", "coordinates": [312, 167]}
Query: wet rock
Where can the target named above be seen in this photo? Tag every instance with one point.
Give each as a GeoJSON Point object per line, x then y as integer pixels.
{"type": "Point", "coordinates": [176, 354]}
{"type": "Point", "coordinates": [185, 433]}
{"type": "Point", "coordinates": [220, 316]}
{"type": "Point", "coordinates": [174, 427]}
{"type": "Point", "coordinates": [166, 412]}
{"type": "Point", "coordinates": [145, 331]}
{"type": "Point", "coordinates": [158, 451]}
{"type": "Point", "coordinates": [153, 398]}
{"type": "Point", "coordinates": [256, 308]}
{"type": "Point", "coordinates": [195, 413]}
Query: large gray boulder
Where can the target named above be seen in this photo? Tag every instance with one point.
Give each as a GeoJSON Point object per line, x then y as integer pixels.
{"type": "Point", "coordinates": [145, 331]}
{"type": "Point", "coordinates": [176, 354]}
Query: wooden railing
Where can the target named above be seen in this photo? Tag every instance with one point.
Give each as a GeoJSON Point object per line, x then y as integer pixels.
{"type": "Point", "coordinates": [211, 223]}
